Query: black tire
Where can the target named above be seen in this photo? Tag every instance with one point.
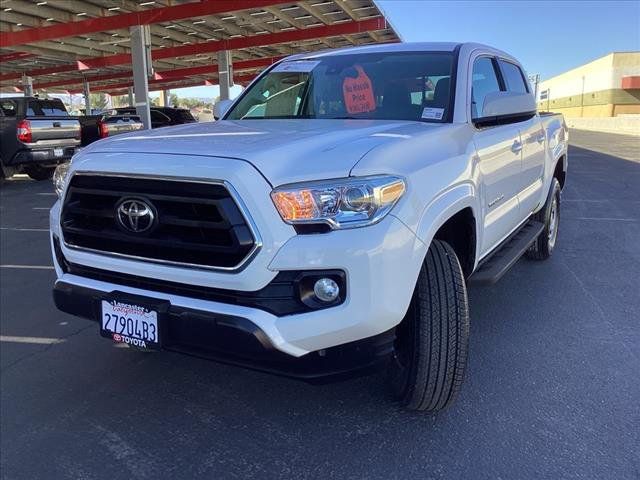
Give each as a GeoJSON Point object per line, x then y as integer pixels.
{"type": "Point", "coordinates": [37, 172]}
{"type": "Point", "coordinates": [6, 172]}
{"type": "Point", "coordinates": [544, 245]}
{"type": "Point", "coordinates": [431, 341]}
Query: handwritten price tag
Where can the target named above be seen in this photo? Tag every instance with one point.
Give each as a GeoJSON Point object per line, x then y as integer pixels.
{"type": "Point", "coordinates": [358, 93]}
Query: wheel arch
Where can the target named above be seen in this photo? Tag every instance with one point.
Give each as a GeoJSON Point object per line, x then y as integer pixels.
{"type": "Point", "coordinates": [453, 217]}
{"type": "Point", "coordinates": [560, 170]}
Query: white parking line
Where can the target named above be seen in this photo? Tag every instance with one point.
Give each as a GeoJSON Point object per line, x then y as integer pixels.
{"type": "Point", "coordinates": [27, 267]}
{"type": "Point", "coordinates": [608, 219]}
{"type": "Point", "coordinates": [19, 229]}
{"type": "Point", "coordinates": [48, 193]}
{"type": "Point", "coordinates": [34, 340]}
{"type": "Point", "coordinates": [41, 208]}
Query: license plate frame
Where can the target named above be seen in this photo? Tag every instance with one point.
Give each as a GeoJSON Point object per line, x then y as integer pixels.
{"type": "Point", "coordinates": [134, 307]}
{"type": "Point", "coordinates": [58, 152]}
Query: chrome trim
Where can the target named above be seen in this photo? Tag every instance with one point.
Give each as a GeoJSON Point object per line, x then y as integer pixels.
{"type": "Point", "coordinates": [257, 239]}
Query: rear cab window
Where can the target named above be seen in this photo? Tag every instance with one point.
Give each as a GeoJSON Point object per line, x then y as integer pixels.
{"type": "Point", "coordinates": [46, 108]}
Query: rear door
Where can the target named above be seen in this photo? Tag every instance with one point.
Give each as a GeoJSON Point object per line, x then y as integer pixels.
{"type": "Point", "coordinates": [499, 159]}
{"type": "Point", "coordinates": [533, 143]}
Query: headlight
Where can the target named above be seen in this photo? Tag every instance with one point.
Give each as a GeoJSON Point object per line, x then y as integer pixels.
{"type": "Point", "coordinates": [60, 178]}
{"type": "Point", "coordinates": [343, 203]}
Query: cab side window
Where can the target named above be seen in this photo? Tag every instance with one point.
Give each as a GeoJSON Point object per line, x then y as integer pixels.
{"type": "Point", "coordinates": [8, 108]}
{"type": "Point", "coordinates": [513, 77]}
{"type": "Point", "coordinates": [484, 81]}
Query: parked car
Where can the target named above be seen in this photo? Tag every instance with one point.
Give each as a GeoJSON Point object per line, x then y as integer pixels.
{"type": "Point", "coordinates": [328, 224]}
{"type": "Point", "coordinates": [163, 116]}
{"type": "Point", "coordinates": [36, 135]}
{"type": "Point", "coordinates": [105, 125]}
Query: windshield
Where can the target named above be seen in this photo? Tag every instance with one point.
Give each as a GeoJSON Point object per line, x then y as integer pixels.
{"type": "Point", "coordinates": [374, 86]}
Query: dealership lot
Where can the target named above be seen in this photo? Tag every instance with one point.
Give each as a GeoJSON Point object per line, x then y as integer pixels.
{"type": "Point", "coordinates": [552, 388]}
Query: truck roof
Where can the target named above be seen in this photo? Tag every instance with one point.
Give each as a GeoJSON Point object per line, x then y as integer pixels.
{"type": "Point", "coordinates": [399, 47]}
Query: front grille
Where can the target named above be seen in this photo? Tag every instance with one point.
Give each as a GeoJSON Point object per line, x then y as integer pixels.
{"type": "Point", "coordinates": [195, 223]}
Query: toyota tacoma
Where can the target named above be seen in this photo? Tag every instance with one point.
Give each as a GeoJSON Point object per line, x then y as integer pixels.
{"type": "Point", "coordinates": [328, 224]}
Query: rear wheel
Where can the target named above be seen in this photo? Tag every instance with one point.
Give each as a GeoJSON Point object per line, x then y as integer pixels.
{"type": "Point", "coordinates": [38, 172]}
{"type": "Point", "coordinates": [544, 245]}
{"type": "Point", "coordinates": [431, 341]}
{"type": "Point", "coordinates": [6, 172]}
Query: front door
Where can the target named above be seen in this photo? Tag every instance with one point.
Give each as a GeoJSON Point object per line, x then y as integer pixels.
{"type": "Point", "coordinates": [499, 150]}
{"type": "Point", "coordinates": [499, 162]}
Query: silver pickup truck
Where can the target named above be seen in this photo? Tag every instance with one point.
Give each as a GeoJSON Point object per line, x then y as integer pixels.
{"type": "Point", "coordinates": [36, 135]}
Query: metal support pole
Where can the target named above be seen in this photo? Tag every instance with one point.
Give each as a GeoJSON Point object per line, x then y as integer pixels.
{"type": "Point", "coordinates": [139, 60]}
{"type": "Point", "coordinates": [225, 73]}
{"type": "Point", "coordinates": [166, 98]}
{"type": "Point", "coordinates": [27, 84]}
{"type": "Point", "coordinates": [130, 94]}
{"type": "Point", "coordinates": [87, 97]}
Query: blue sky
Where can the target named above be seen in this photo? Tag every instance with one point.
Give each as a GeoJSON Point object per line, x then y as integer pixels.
{"type": "Point", "coordinates": [548, 37]}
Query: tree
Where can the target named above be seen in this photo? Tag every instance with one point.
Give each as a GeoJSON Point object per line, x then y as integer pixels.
{"type": "Point", "coordinates": [99, 101]}
{"type": "Point", "coordinates": [174, 100]}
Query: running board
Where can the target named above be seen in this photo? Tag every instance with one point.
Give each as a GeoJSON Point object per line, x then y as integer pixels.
{"type": "Point", "coordinates": [506, 256]}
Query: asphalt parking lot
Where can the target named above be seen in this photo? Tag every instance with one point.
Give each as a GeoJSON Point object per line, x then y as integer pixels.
{"type": "Point", "coordinates": [553, 385]}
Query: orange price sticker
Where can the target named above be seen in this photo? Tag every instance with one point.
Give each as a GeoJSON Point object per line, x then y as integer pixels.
{"type": "Point", "coordinates": [358, 93]}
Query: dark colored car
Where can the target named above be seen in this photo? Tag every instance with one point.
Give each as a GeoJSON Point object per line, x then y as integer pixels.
{"type": "Point", "coordinates": [163, 116]}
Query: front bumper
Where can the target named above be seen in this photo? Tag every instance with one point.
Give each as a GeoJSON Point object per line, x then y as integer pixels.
{"type": "Point", "coordinates": [380, 275]}
{"type": "Point", "coordinates": [236, 340]}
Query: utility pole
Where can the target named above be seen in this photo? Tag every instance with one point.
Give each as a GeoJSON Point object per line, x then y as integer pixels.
{"type": "Point", "coordinates": [27, 84]}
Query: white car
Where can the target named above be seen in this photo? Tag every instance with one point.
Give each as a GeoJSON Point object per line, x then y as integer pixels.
{"type": "Point", "coordinates": [327, 224]}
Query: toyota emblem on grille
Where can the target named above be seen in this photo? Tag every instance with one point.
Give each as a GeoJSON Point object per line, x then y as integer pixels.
{"type": "Point", "coordinates": [135, 215]}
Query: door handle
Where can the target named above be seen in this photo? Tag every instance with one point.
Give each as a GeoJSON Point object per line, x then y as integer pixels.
{"type": "Point", "coordinates": [516, 147]}
{"type": "Point", "coordinates": [540, 138]}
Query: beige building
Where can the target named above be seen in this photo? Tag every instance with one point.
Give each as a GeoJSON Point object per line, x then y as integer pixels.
{"type": "Point", "coordinates": [606, 87]}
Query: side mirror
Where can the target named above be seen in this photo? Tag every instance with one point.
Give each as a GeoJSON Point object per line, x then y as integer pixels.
{"type": "Point", "coordinates": [220, 108]}
{"type": "Point", "coordinates": [506, 107]}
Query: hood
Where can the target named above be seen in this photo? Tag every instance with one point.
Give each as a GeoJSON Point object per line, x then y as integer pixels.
{"type": "Point", "coordinates": [284, 151]}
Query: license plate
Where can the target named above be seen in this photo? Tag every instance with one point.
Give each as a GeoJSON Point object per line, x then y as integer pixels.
{"type": "Point", "coordinates": [130, 323]}
{"type": "Point", "coordinates": [58, 152]}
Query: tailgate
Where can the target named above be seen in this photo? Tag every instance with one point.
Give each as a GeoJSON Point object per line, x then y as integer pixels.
{"type": "Point", "coordinates": [54, 130]}
{"type": "Point", "coordinates": [121, 126]}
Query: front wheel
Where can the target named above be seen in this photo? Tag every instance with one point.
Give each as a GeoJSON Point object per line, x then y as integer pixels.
{"type": "Point", "coordinates": [38, 172]}
{"type": "Point", "coordinates": [431, 341]}
{"type": "Point", "coordinates": [544, 245]}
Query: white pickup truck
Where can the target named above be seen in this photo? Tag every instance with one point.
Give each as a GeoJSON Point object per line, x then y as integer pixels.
{"type": "Point", "coordinates": [328, 224]}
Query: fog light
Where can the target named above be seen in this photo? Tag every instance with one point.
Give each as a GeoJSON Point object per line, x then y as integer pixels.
{"type": "Point", "coordinates": [326, 290]}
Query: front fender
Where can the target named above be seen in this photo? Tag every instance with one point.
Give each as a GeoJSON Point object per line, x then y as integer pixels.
{"type": "Point", "coordinates": [446, 205]}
